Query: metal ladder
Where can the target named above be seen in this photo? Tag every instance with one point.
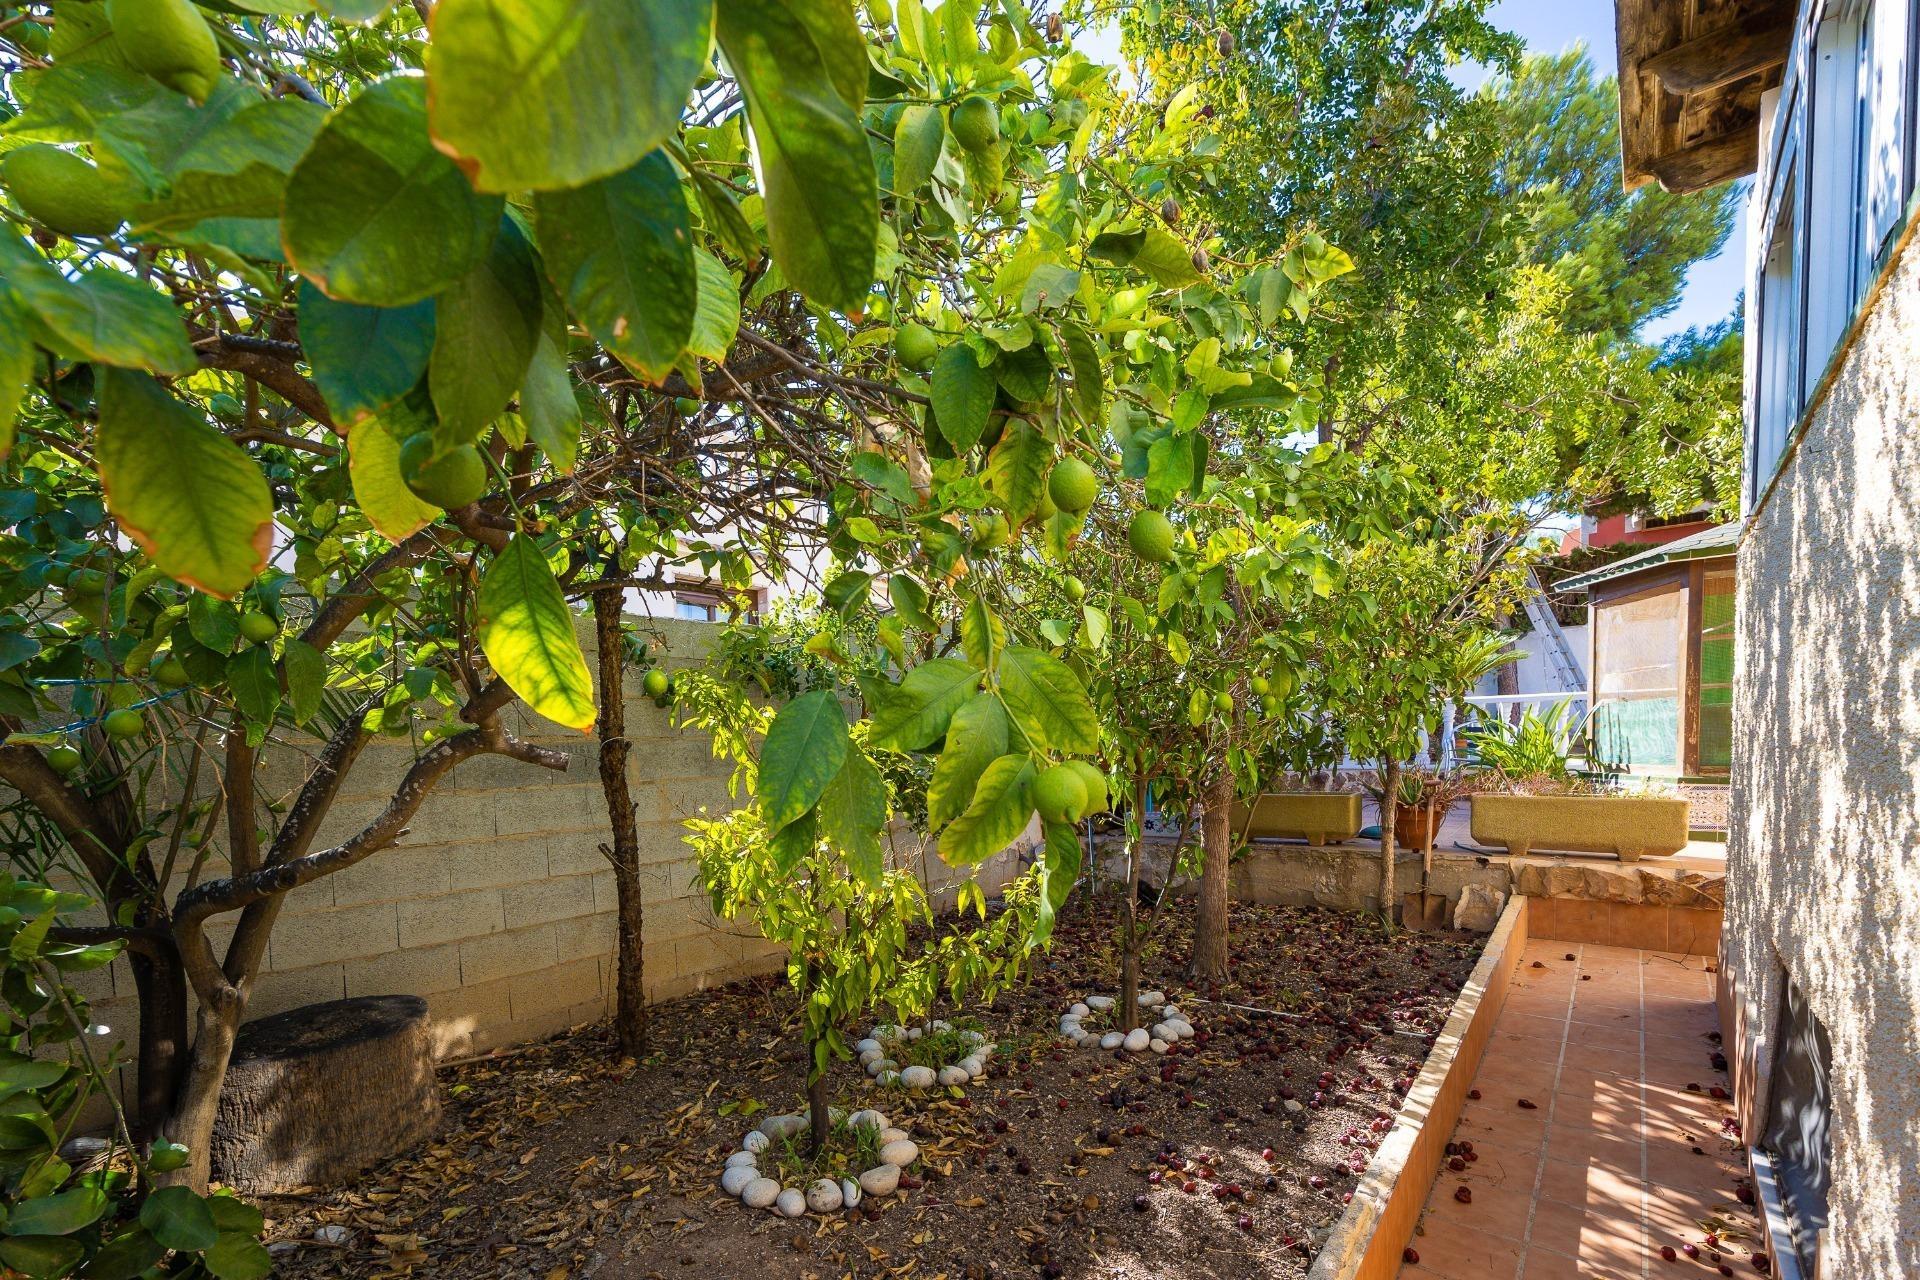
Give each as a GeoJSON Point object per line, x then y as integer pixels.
{"type": "Point", "coordinates": [1560, 656]}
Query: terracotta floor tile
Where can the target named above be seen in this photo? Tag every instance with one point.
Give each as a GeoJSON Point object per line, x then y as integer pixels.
{"type": "Point", "coordinates": [1459, 1251]}
{"type": "Point", "coordinates": [1491, 1129]}
{"type": "Point", "coordinates": [1516, 1078]}
{"type": "Point", "coordinates": [1676, 1165]}
{"type": "Point", "coordinates": [1503, 1211]}
{"type": "Point", "coordinates": [1619, 1116]}
{"type": "Point", "coordinates": [1543, 1264]}
{"type": "Point", "coordinates": [1530, 1026]}
{"type": "Point", "coordinates": [1613, 1061]}
{"type": "Point", "coordinates": [1611, 1239]}
{"type": "Point", "coordinates": [1587, 1186]}
{"type": "Point", "coordinates": [1681, 1215]}
{"type": "Point", "coordinates": [1622, 1034]}
{"type": "Point", "coordinates": [1683, 1048]}
{"type": "Point", "coordinates": [1605, 1011]}
{"type": "Point", "coordinates": [1585, 1146]}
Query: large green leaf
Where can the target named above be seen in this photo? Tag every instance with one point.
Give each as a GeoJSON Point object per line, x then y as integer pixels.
{"type": "Point", "coordinates": [237, 168]}
{"type": "Point", "coordinates": [915, 713]}
{"type": "Point", "coordinates": [853, 816]}
{"type": "Point", "coordinates": [1047, 701]}
{"type": "Point", "coordinates": [306, 671]}
{"type": "Point", "coordinates": [805, 748]}
{"type": "Point", "coordinates": [962, 396]}
{"type": "Point", "coordinates": [374, 213]}
{"type": "Point", "coordinates": [189, 496]}
{"type": "Point", "coordinates": [546, 94]}
{"type": "Point", "coordinates": [917, 140]}
{"type": "Point", "coordinates": [68, 101]}
{"type": "Point", "coordinates": [526, 631]}
{"type": "Point", "coordinates": [621, 252]}
{"type": "Point", "coordinates": [975, 739]}
{"type": "Point", "coordinates": [126, 1256]}
{"type": "Point", "coordinates": [373, 463]}
{"type": "Point", "coordinates": [716, 320]}
{"type": "Point", "coordinates": [1059, 868]}
{"type": "Point", "coordinates": [179, 1219]}
{"type": "Point", "coordinates": [104, 316]}
{"type": "Point", "coordinates": [485, 327]}
{"type": "Point", "coordinates": [810, 148]}
{"type": "Point", "coordinates": [255, 684]}
{"type": "Point", "coordinates": [547, 405]}
{"type": "Point", "coordinates": [363, 358]}
{"type": "Point", "coordinates": [238, 1257]}
{"type": "Point", "coordinates": [57, 1215]}
{"type": "Point", "coordinates": [996, 817]}
{"type": "Point", "coordinates": [38, 1256]}
{"type": "Point", "coordinates": [1089, 380]}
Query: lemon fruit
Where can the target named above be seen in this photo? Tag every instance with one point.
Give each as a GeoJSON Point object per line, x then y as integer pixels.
{"type": "Point", "coordinates": [450, 481]}
{"type": "Point", "coordinates": [1099, 796]}
{"type": "Point", "coordinates": [1260, 686]}
{"type": "Point", "coordinates": [1223, 703]}
{"type": "Point", "coordinates": [168, 40]}
{"type": "Point", "coordinates": [1151, 537]}
{"type": "Point", "coordinates": [975, 124]}
{"type": "Point", "coordinates": [123, 724]}
{"type": "Point", "coordinates": [1072, 485]}
{"type": "Point", "coordinates": [656, 683]}
{"type": "Point", "coordinates": [1076, 589]}
{"type": "Point", "coordinates": [170, 674]}
{"type": "Point", "coordinates": [915, 347]}
{"type": "Point", "coordinates": [1060, 794]}
{"type": "Point", "coordinates": [63, 758]}
{"type": "Point", "coordinates": [60, 190]}
{"type": "Point", "coordinates": [258, 627]}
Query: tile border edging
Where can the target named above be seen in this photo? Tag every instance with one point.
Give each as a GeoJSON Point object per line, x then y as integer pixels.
{"type": "Point", "coordinates": [1366, 1243]}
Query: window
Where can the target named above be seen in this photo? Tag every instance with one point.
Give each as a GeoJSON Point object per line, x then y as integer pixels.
{"type": "Point", "coordinates": [1639, 670]}
{"type": "Point", "coordinates": [695, 606]}
{"type": "Point", "coordinates": [1776, 386]}
{"type": "Point", "coordinates": [1713, 732]}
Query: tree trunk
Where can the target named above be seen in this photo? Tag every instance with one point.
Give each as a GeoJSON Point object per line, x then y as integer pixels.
{"type": "Point", "coordinates": [1389, 810]}
{"type": "Point", "coordinates": [1210, 924]}
{"type": "Point", "coordinates": [817, 1124]}
{"type": "Point", "coordinates": [191, 1124]}
{"type": "Point", "coordinates": [1130, 937]}
{"type": "Point", "coordinates": [630, 1001]}
{"type": "Point", "coordinates": [160, 988]}
{"type": "Point", "coordinates": [1506, 677]}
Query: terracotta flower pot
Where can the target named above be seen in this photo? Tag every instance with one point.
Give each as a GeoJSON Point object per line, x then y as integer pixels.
{"type": "Point", "coordinates": [1414, 827]}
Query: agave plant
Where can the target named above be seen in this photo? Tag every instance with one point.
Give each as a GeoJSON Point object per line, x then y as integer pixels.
{"type": "Point", "coordinates": [1534, 752]}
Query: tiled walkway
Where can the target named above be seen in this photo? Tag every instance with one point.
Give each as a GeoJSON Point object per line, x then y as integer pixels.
{"type": "Point", "coordinates": [1622, 1152]}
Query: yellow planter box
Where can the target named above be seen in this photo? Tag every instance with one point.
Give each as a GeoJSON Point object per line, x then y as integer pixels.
{"type": "Point", "coordinates": [1632, 827]}
{"type": "Point", "coordinates": [1314, 816]}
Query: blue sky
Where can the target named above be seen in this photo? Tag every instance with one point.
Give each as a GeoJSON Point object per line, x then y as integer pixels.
{"type": "Point", "coordinates": [1549, 26]}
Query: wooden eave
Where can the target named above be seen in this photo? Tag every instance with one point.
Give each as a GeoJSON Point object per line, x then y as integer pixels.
{"type": "Point", "coordinates": [1691, 76]}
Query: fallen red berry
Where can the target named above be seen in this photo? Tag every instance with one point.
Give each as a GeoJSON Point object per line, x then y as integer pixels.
{"type": "Point", "coordinates": [1463, 1194]}
{"type": "Point", "coordinates": [1526, 1105]}
{"type": "Point", "coordinates": [1667, 1252]}
{"type": "Point", "coordinates": [1408, 1254]}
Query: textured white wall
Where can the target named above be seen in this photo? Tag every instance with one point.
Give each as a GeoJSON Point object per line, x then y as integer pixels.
{"type": "Point", "coordinates": [1824, 849]}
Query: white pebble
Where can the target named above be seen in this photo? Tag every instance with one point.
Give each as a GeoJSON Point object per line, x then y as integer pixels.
{"type": "Point", "coordinates": [737, 1178]}
{"type": "Point", "coordinates": [1100, 1002]}
{"type": "Point", "coordinates": [755, 1141]}
{"type": "Point", "coordinates": [1112, 1040]}
{"type": "Point", "coordinates": [952, 1076]}
{"type": "Point", "coordinates": [869, 1045]}
{"type": "Point", "coordinates": [746, 1158]}
{"type": "Point", "coordinates": [1153, 997]}
{"type": "Point", "coordinates": [760, 1193]}
{"type": "Point", "coordinates": [1157, 1045]}
{"type": "Point", "coordinates": [790, 1203]}
{"type": "Point", "coordinates": [914, 1033]}
{"type": "Point", "coordinates": [880, 1181]}
{"type": "Point", "coordinates": [917, 1077]}
{"type": "Point", "coordinates": [1137, 1040]}
{"type": "Point", "coordinates": [1169, 1011]}
{"type": "Point", "coordinates": [1080, 1010]}
{"type": "Point", "coordinates": [866, 1119]}
{"type": "Point", "coordinates": [892, 1135]}
{"type": "Point", "coordinates": [823, 1196]}
{"type": "Point", "coordinates": [777, 1127]}
{"type": "Point", "coordinates": [850, 1193]}
{"type": "Point", "coordinates": [900, 1154]}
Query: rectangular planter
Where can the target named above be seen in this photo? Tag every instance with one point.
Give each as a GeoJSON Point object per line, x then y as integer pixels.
{"type": "Point", "coordinates": [1632, 827]}
{"type": "Point", "coordinates": [1314, 816]}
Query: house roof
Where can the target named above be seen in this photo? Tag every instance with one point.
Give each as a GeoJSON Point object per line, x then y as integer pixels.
{"type": "Point", "coordinates": [1708, 544]}
{"type": "Point", "coordinates": [1691, 76]}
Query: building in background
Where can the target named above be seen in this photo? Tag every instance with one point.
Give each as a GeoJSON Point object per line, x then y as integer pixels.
{"type": "Point", "coordinates": [1819, 975]}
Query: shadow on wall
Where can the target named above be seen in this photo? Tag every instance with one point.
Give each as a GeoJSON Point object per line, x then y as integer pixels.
{"type": "Point", "coordinates": [1824, 860]}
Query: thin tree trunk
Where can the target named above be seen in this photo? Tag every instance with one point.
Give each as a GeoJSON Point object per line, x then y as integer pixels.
{"type": "Point", "coordinates": [630, 1001]}
{"type": "Point", "coordinates": [191, 1124]}
{"type": "Point", "coordinates": [817, 1123]}
{"type": "Point", "coordinates": [1210, 924]}
{"type": "Point", "coordinates": [160, 987]}
{"type": "Point", "coordinates": [1130, 938]}
{"type": "Point", "coordinates": [1389, 810]}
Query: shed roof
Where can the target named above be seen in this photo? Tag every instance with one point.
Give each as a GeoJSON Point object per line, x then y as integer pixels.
{"type": "Point", "coordinates": [1708, 544]}
{"type": "Point", "coordinates": [1691, 76]}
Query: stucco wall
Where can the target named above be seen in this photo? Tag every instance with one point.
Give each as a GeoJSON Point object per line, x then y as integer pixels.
{"type": "Point", "coordinates": [1824, 846]}
{"type": "Point", "coordinates": [497, 905]}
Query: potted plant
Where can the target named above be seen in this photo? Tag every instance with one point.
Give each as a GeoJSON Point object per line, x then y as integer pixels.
{"type": "Point", "coordinates": [1426, 796]}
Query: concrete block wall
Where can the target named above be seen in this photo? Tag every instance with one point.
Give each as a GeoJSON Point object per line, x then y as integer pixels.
{"type": "Point", "coordinates": [497, 904]}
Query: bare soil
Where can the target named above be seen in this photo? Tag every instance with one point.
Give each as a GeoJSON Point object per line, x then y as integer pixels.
{"type": "Point", "coordinates": [563, 1160]}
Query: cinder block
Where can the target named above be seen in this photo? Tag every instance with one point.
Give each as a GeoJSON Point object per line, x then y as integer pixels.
{"type": "Point", "coordinates": [340, 934]}
{"type": "Point", "coordinates": [496, 862]}
{"type": "Point", "coordinates": [416, 971]}
{"type": "Point", "coordinates": [586, 936]}
{"type": "Point", "coordinates": [505, 954]}
{"type": "Point", "coordinates": [535, 994]}
{"type": "Point", "coordinates": [550, 809]}
{"type": "Point", "coordinates": [664, 842]}
{"type": "Point", "coordinates": [577, 854]}
{"type": "Point", "coordinates": [504, 773]}
{"type": "Point", "coordinates": [277, 992]}
{"type": "Point", "coordinates": [559, 898]}
{"type": "Point", "coordinates": [314, 896]}
{"type": "Point", "coordinates": [451, 818]}
{"type": "Point", "coordinates": [606, 892]}
{"type": "Point", "coordinates": [678, 798]}
{"type": "Point", "coordinates": [470, 1019]}
{"type": "Point", "coordinates": [426, 922]}
{"type": "Point", "coordinates": [390, 875]}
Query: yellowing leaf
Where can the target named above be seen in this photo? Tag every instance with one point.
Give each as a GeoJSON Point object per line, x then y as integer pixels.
{"type": "Point", "coordinates": [189, 496]}
{"type": "Point", "coordinates": [526, 631]}
{"type": "Point", "coordinates": [374, 467]}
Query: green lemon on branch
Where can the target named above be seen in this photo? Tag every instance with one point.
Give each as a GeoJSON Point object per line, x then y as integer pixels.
{"type": "Point", "coordinates": [124, 724]}
{"type": "Point", "coordinates": [1099, 795]}
{"type": "Point", "coordinates": [656, 683]}
{"type": "Point", "coordinates": [258, 627]}
{"type": "Point", "coordinates": [63, 758]}
{"type": "Point", "coordinates": [168, 40]}
{"type": "Point", "coordinates": [975, 123]}
{"type": "Point", "coordinates": [1151, 537]}
{"type": "Point", "coordinates": [60, 190]}
{"type": "Point", "coordinates": [1072, 485]}
{"type": "Point", "coordinates": [1060, 794]}
{"type": "Point", "coordinates": [451, 481]}
{"type": "Point", "coordinates": [915, 346]}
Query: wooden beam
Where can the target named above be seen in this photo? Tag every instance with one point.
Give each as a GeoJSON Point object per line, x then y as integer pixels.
{"type": "Point", "coordinates": [1724, 56]}
{"type": "Point", "coordinates": [1709, 162]}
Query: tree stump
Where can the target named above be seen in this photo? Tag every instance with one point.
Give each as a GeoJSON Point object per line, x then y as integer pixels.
{"type": "Point", "coordinates": [316, 1094]}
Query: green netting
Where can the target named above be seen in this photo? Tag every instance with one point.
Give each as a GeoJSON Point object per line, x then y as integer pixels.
{"type": "Point", "coordinates": [1643, 731]}
{"type": "Point", "coordinates": [1716, 660]}
{"type": "Point", "coordinates": [1716, 732]}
